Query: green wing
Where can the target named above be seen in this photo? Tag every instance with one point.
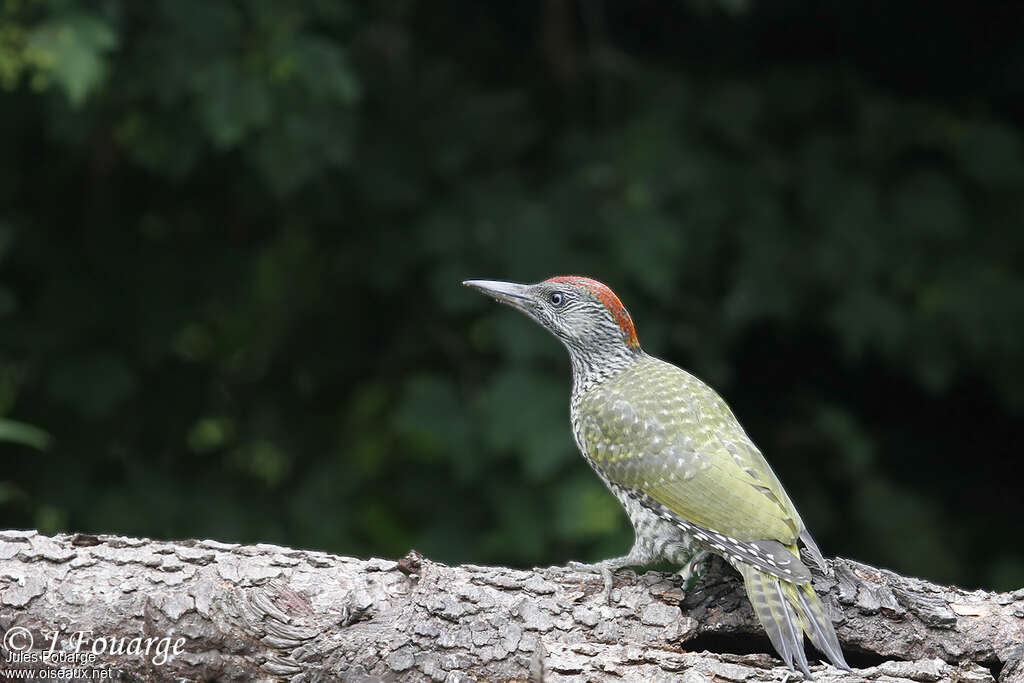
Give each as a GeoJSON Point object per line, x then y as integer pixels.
{"type": "Point", "coordinates": [656, 429]}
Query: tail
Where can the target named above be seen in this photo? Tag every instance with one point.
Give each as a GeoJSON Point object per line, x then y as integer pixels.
{"type": "Point", "coordinates": [787, 611]}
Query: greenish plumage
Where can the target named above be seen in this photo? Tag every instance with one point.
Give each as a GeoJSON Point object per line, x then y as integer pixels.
{"type": "Point", "coordinates": [661, 436]}
{"type": "Point", "coordinates": [672, 452]}
{"type": "Point", "coordinates": [657, 429]}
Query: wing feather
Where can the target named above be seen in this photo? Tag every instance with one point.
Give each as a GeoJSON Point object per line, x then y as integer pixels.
{"type": "Point", "coordinates": [657, 429]}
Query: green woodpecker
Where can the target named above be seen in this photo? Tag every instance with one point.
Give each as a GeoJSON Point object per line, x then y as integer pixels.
{"type": "Point", "coordinates": [670, 449]}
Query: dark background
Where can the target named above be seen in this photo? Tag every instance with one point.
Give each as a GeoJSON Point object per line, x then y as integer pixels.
{"type": "Point", "coordinates": [232, 236]}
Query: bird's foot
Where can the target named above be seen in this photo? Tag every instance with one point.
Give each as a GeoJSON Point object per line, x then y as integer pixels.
{"type": "Point", "coordinates": [642, 554]}
{"type": "Point", "coordinates": [605, 569]}
{"type": "Point", "coordinates": [694, 569]}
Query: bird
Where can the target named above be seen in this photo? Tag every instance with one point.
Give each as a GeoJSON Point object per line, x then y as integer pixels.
{"type": "Point", "coordinates": [673, 453]}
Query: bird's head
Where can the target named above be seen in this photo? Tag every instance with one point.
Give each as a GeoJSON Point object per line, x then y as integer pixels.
{"type": "Point", "coordinates": [585, 314]}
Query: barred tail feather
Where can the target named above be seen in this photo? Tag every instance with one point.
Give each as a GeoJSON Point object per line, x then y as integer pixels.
{"type": "Point", "coordinates": [818, 626]}
{"type": "Point", "coordinates": [777, 616]}
{"type": "Point", "coordinates": [787, 611]}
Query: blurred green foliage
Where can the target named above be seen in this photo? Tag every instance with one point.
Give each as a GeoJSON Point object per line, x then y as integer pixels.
{"type": "Point", "coordinates": [232, 236]}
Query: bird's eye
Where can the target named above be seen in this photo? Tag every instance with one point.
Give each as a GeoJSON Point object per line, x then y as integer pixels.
{"type": "Point", "coordinates": [557, 298]}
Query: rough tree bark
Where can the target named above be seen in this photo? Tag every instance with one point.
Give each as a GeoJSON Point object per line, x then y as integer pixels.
{"type": "Point", "coordinates": [273, 613]}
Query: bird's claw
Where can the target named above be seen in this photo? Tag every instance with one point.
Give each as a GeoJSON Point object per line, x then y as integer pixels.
{"type": "Point", "coordinates": [597, 568]}
{"type": "Point", "coordinates": [694, 570]}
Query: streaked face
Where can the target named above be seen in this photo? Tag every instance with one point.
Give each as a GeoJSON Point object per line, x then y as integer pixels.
{"type": "Point", "coordinates": [583, 313]}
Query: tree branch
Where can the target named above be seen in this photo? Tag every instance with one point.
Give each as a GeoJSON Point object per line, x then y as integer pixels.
{"type": "Point", "coordinates": [273, 613]}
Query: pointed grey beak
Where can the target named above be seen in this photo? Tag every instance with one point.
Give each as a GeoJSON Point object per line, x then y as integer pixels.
{"type": "Point", "coordinates": [511, 293]}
